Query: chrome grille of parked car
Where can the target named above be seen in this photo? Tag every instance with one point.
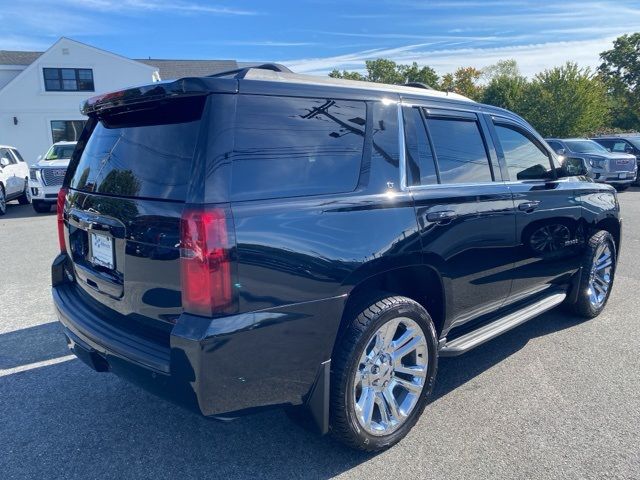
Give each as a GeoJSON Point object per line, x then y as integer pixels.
{"type": "Point", "coordinates": [621, 165]}
{"type": "Point", "coordinates": [53, 176]}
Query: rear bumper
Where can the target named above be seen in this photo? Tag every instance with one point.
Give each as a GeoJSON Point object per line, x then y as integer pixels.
{"type": "Point", "coordinates": [218, 366]}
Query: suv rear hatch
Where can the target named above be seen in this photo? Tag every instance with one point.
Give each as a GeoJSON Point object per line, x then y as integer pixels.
{"type": "Point", "coordinates": [127, 187]}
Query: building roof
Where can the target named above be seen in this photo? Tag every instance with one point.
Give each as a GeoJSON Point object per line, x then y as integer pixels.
{"type": "Point", "coordinates": [173, 69]}
{"type": "Point", "coordinates": [168, 69]}
{"type": "Point", "coordinates": [17, 57]}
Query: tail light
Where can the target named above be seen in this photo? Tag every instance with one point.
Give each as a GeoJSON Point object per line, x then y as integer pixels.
{"type": "Point", "coordinates": [62, 195]}
{"type": "Point", "coordinates": [206, 240]}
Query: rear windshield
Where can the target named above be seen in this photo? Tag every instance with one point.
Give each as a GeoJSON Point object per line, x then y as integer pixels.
{"type": "Point", "coordinates": [139, 158]}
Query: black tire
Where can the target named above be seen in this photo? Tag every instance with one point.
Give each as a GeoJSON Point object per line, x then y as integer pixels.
{"type": "Point", "coordinates": [25, 198]}
{"type": "Point", "coordinates": [622, 188]}
{"type": "Point", "coordinates": [41, 207]}
{"type": "Point", "coordinates": [3, 201]}
{"type": "Point", "coordinates": [346, 359]}
{"type": "Point", "coordinates": [583, 307]}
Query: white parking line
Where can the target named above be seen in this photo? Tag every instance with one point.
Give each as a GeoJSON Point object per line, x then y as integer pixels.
{"type": "Point", "coordinates": [32, 366]}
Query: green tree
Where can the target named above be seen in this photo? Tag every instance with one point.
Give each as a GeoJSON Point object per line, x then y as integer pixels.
{"type": "Point", "coordinates": [448, 83]}
{"type": "Point", "coordinates": [466, 82]}
{"type": "Point", "coordinates": [414, 73]}
{"type": "Point", "coordinates": [566, 101]}
{"type": "Point", "coordinates": [507, 92]}
{"type": "Point", "coordinates": [383, 70]}
{"type": "Point", "coordinates": [506, 87]}
{"type": "Point", "coordinates": [335, 73]}
{"type": "Point", "coordinates": [620, 70]}
{"type": "Point", "coordinates": [503, 68]}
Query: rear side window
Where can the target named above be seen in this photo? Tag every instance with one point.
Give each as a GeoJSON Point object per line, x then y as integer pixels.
{"type": "Point", "coordinates": [421, 168]}
{"type": "Point", "coordinates": [460, 150]}
{"type": "Point", "coordinates": [287, 147]}
{"type": "Point", "coordinates": [525, 160]}
{"type": "Point", "coordinates": [134, 155]}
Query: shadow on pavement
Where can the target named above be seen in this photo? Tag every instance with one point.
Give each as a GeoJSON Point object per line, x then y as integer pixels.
{"type": "Point", "coordinates": [65, 420]}
{"type": "Point", "coordinates": [31, 345]}
{"type": "Point", "coordinates": [15, 210]}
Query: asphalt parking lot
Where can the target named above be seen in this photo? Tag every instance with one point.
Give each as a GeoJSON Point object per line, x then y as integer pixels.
{"type": "Point", "coordinates": [555, 398]}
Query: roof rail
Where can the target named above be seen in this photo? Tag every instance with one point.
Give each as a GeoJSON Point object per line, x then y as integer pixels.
{"type": "Point", "coordinates": [241, 72]}
{"type": "Point", "coordinates": [418, 85]}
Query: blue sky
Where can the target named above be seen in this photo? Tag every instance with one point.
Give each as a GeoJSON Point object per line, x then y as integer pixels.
{"type": "Point", "coordinates": [314, 36]}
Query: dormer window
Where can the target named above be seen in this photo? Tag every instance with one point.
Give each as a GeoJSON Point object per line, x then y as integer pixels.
{"type": "Point", "coordinates": [68, 79]}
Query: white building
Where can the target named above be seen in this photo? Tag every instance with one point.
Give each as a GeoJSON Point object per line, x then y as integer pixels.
{"type": "Point", "coordinates": [41, 92]}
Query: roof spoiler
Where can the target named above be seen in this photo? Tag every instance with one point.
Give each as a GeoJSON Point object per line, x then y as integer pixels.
{"type": "Point", "coordinates": [185, 87]}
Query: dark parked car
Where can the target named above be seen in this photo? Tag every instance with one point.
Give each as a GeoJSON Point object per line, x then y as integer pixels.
{"type": "Point", "coordinates": [615, 168]}
{"type": "Point", "coordinates": [622, 143]}
{"type": "Point", "coordinates": [265, 239]}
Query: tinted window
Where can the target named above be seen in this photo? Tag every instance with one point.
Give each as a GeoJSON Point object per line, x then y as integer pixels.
{"type": "Point", "coordinates": [525, 160]}
{"type": "Point", "coordinates": [296, 146]}
{"type": "Point", "coordinates": [141, 159]}
{"type": "Point", "coordinates": [421, 169]}
{"type": "Point", "coordinates": [460, 150]}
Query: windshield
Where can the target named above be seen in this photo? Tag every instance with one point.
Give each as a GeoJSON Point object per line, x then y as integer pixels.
{"type": "Point", "coordinates": [57, 152]}
{"type": "Point", "coordinates": [585, 146]}
{"type": "Point", "coordinates": [635, 141]}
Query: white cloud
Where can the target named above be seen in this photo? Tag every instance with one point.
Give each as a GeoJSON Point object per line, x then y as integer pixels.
{"type": "Point", "coordinates": [266, 43]}
{"type": "Point", "coordinates": [19, 42]}
{"type": "Point", "coordinates": [531, 58]}
{"type": "Point", "coordinates": [185, 7]}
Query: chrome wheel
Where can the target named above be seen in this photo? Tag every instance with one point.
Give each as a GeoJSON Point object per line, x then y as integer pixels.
{"type": "Point", "coordinates": [601, 275]}
{"type": "Point", "coordinates": [390, 376]}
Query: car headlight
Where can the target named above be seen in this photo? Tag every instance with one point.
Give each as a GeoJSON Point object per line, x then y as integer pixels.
{"type": "Point", "coordinates": [597, 162]}
{"type": "Point", "coordinates": [33, 172]}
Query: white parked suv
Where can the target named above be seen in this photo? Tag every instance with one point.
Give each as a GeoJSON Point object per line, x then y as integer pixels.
{"type": "Point", "coordinates": [46, 176]}
{"type": "Point", "coordinates": [14, 174]}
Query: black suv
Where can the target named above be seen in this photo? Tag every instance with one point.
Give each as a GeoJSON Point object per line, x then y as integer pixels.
{"type": "Point", "coordinates": [622, 143]}
{"type": "Point", "coordinates": [260, 238]}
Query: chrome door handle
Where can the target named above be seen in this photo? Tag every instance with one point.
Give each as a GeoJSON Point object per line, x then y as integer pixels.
{"type": "Point", "coordinates": [441, 216]}
{"type": "Point", "coordinates": [528, 206]}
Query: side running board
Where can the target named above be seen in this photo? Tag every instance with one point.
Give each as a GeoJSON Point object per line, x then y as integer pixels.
{"type": "Point", "coordinates": [491, 330]}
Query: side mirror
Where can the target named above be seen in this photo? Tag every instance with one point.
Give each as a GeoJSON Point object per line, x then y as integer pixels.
{"type": "Point", "coordinates": [39, 158]}
{"type": "Point", "coordinates": [561, 151]}
{"type": "Point", "coordinates": [574, 167]}
{"type": "Point", "coordinates": [4, 162]}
